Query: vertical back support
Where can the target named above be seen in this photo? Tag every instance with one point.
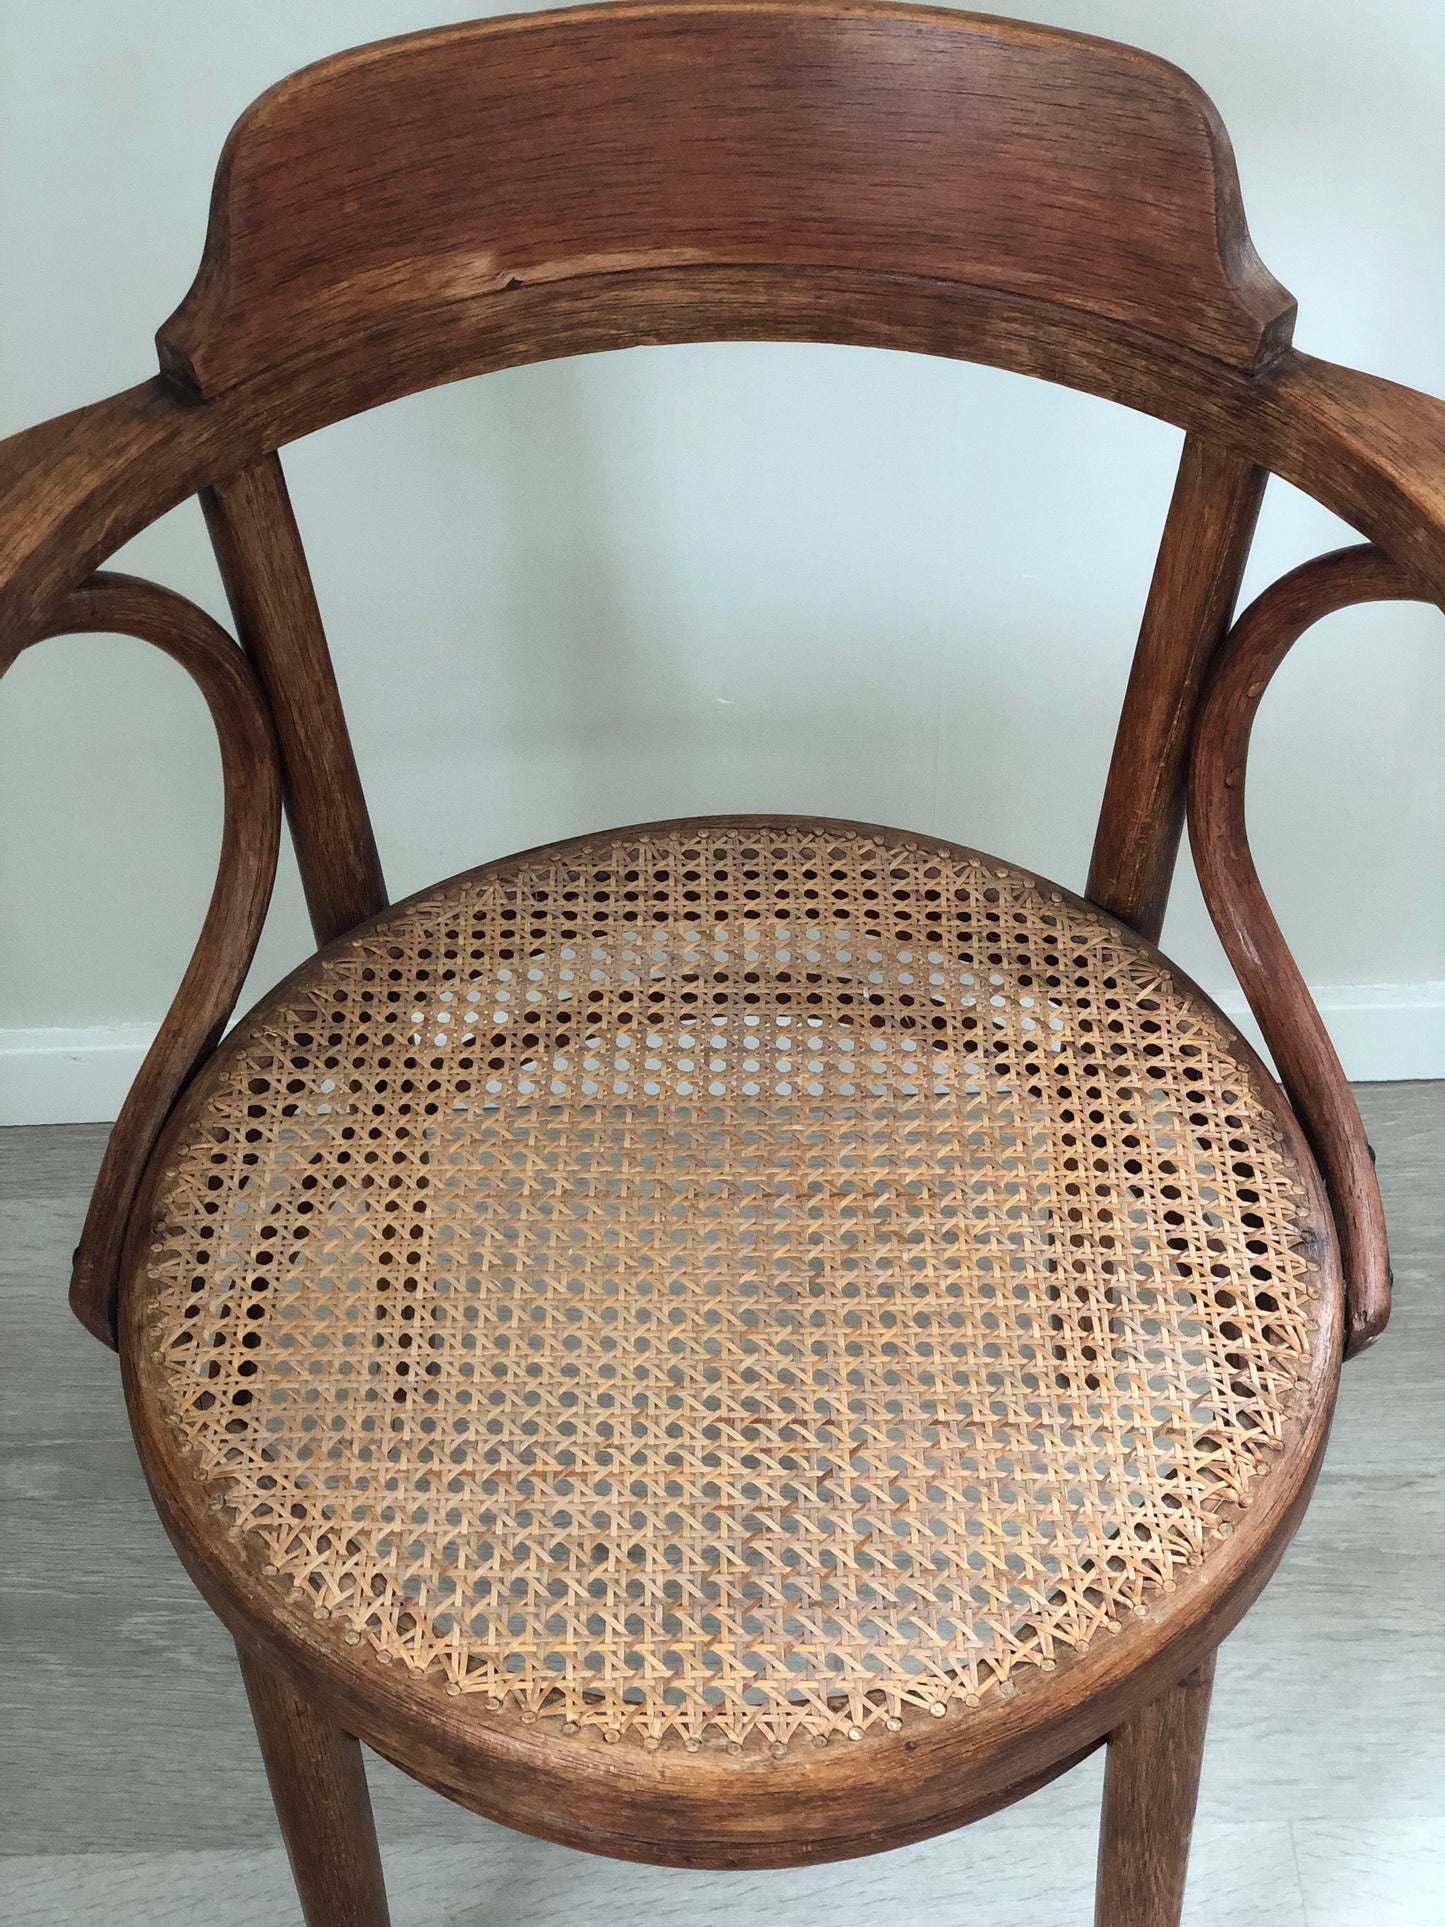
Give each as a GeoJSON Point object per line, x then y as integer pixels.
{"type": "Point", "coordinates": [596, 176]}
{"type": "Point", "coordinates": [258, 549]}
{"type": "Point", "coordinates": [1196, 581]}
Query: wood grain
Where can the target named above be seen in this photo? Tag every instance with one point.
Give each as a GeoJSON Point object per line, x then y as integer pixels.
{"type": "Point", "coordinates": [262, 563]}
{"type": "Point", "coordinates": [318, 1782]}
{"type": "Point", "coordinates": [1271, 980]}
{"type": "Point", "coordinates": [1191, 599]}
{"type": "Point", "coordinates": [546, 147]}
{"type": "Point", "coordinates": [123, 605]}
{"type": "Point", "coordinates": [1151, 1784]}
{"type": "Point", "coordinates": [72, 490]}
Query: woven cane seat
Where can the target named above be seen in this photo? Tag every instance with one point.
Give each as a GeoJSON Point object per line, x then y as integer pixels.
{"type": "Point", "coordinates": [729, 1284]}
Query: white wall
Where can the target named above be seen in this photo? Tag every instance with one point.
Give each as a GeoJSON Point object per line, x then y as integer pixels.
{"type": "Point", "coordinates": [710, 578]}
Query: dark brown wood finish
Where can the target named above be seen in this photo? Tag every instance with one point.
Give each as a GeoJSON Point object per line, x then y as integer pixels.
{"type": "Point", "coordinates": [124, 605]}
{"type": "Point", "coordinates": [884, 176]}
{"type": "Point", "coordinates": [1196, 580]}
{"type": "Point", "coordinates": [72, 490]}
{"type": "Point", "coordinates": [263, 566]}
{"type": "Point", "coordinates": [1292, 1026]}
{"type": "Point", "coordinates": [1151, 1784]}
{"type": "Point", "coordinates": [908, 140]}
{"type": "Point", "coordinates": [318, 1781]}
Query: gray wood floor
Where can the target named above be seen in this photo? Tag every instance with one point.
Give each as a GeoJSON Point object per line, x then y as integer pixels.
{"type": "Point", "coordinates": [131, 1791]}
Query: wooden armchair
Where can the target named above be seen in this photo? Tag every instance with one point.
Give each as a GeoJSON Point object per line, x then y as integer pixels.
{"type": "Point", "coordinates": [740, 1341]}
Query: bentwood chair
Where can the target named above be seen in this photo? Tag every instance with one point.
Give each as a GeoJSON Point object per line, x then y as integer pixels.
{"type": "Point", "coordinates": [739, 1341]}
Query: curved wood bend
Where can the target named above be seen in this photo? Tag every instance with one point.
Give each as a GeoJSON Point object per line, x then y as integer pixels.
{"type": "Point", "coordinates": [263, 565]}
{"type": "Point", "coordinates": [1308, 1066]}
{"type": "Point", "coordinates": [544, 149]}
{"type": "Point", "coordinates": [124, 605]}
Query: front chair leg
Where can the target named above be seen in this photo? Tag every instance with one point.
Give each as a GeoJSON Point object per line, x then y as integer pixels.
{"type": "Point", "coordinates": [1151, 1782]}
{"type": "Point", "coordinates": [318, 1782]}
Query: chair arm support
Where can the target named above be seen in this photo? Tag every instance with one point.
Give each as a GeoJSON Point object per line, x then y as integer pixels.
{"type": "Point", "coordinates": [1371, 450]}
{"type": "Point", "coordinates": [1309, 1068]}
{"type": "Point", "coordinates": [73, 489]}
{"type": "Point", "coordinates": [123, 605]}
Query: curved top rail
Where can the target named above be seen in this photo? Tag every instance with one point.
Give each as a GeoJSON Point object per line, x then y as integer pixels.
{"type": "Point", "coordinates": [399, 180]}
{"type": "Point", "coordinates": [73, 489]}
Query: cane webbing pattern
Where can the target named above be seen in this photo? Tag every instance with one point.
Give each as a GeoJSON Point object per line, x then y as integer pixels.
{"type": "Point", "coordinates": [730, 1284]}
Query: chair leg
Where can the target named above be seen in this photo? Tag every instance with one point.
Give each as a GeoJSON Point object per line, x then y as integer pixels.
{"type": "Point", "coordinates": [318, 1782]}
{"type": "Point", "coordinates": [1151, 1782]}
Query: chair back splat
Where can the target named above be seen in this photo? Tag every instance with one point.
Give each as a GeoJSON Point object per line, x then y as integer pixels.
{"type": "Point", "coordinates": [622, 154]}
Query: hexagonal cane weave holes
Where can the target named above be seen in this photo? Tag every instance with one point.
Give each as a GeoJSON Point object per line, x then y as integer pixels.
{"type": "Point", "coordinates": [730, 1282]}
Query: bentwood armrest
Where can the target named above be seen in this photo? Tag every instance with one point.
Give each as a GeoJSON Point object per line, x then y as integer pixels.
{"type": "Point", "coordinates": [73, 489]}
{"type": "Point", "coordinates": [1308, 1064]}
{"type": "Point", "coordinates": [246, 868]}
{"type": "Point", "coordinates": [1370, 449]}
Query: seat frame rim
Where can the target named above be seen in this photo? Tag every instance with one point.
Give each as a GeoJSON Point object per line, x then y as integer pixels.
{"type": "Point", "coordinates": [709, 1809]}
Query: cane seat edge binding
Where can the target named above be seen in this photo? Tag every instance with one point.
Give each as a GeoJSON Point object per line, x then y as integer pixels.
{"type": "Point", "coordinates": [276, 1449]}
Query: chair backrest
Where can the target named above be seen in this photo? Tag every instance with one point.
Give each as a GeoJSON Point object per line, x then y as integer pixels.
{"type": "Point", "coordinates": [422, 173]}
{"type": "Point", "coordinates": [617, 174]}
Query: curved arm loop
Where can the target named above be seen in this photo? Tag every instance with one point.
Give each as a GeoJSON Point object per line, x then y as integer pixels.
{"type": "Point", "coordinates": [1307, 1062]}
{"type": "Point", "coordinates": [124, 605]}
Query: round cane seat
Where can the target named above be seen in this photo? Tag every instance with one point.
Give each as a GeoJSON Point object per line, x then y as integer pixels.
{"type": "Point", "coordinates": [729, 1285]}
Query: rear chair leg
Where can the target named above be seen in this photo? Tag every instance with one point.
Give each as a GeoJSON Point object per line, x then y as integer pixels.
{"type": "Point", "coordinates": [1151, 1782]}
{"type": "Point", "coordinates": [318, 1782]}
